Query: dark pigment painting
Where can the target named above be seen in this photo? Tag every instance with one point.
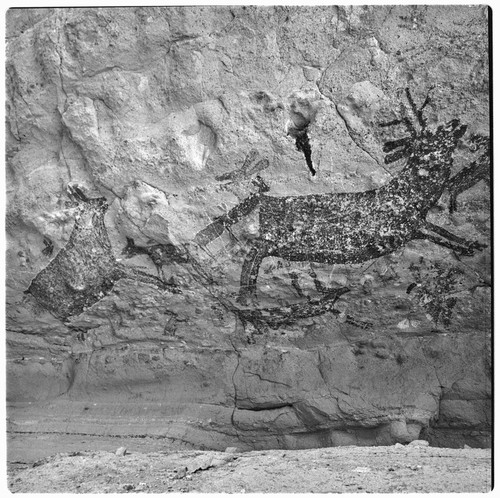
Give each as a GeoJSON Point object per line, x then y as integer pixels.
{"type": "Point", "coordinates": [251, 228]}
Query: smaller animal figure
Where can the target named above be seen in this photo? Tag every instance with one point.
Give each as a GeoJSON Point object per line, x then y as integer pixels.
{"type": "Point", "coordinates": [275, 317]}
{"type": "Point", "coordinates": [160, 254]}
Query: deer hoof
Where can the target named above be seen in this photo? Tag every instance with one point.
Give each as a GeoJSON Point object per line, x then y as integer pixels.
{"type": "Point", "coordinates": [242, 300]}
{"type": "Point", "coordinates": [477, 245]}
{"type": "Point", "coordinates": [467, 251]}
{"type": "Point", "coordinates": [473, 246]}
{"type": "Point", "coordinates": [246, 300]}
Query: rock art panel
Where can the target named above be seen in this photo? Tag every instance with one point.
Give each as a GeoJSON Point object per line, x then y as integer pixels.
{"type": "Point", "coordinates": [265, 226]}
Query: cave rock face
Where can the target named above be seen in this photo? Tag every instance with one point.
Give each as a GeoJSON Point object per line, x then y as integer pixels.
{"type": "Point", "coordinates": [258, 227]}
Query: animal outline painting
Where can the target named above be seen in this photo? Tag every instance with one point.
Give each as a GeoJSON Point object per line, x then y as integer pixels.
{"type": "Point", "coordinates": [349, 228]}
{"type": "Point", "coordinates": [355, 227]}
{"type": "Point", "coordinates": [333, 228]}
{"type": "Point", "coordinates": [85, 270]}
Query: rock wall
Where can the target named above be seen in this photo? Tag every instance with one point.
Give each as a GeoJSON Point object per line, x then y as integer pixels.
{"type": "Point", "coordinates": [250, 226]}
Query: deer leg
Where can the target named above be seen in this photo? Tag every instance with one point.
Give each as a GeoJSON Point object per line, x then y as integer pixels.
{"type": "Point", "coordinates": [446, 243]}
{"type": "Point", "coordinates": [454, 242]}
{"type": "Point", "coordinates": [161, 273]}
{"type": "Point", "coordinates": [250, 272]}
{"type": "Point", "coordinates": [320, 286]}
{"type": "Point", "coordinates": [452, 207]}
{"type": "Point", "coordinates": [454, 238]}
{"type": "Point", "coordinates": [294, 277]}
{"type": "Point", "coordinates": [465, 179]}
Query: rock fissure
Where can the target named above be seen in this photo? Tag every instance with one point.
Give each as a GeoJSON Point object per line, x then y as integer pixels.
{"type": "Point", "coordinates": [263, 379]}
{"type": "Point", "coordinates": [271, 407]}
{"type": "Point", "coordinates": [233, 377]}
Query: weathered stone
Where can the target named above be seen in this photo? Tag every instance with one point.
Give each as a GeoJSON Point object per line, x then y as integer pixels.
{"type": "Point", "coordinates": [121, 451]}
{"type": "Point", "coordinates": [166, 273]}
{"type": "Point", "coordinates": [419, 442]}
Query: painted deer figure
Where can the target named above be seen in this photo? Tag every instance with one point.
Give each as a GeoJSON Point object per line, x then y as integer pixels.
{"type": "Point", "coordinates": [342, 228]}
{"type": "Point", "coordinates": [85, 270]}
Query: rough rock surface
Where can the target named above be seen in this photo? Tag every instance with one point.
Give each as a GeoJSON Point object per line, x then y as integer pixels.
{"type": "Point", "coordinates": [164, 278]}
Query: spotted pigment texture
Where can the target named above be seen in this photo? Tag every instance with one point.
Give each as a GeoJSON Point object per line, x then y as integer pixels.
{"type": "Point", "coordinates": [346, 228]}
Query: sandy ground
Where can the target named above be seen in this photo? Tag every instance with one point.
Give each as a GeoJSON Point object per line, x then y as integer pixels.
{"type": "Point", "coordinates": [146, 468]}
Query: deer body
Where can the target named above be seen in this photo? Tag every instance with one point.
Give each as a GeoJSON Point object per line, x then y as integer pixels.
{"type": "Point", "coordinates": [348, 228]}
{"type": "Point", "coordinates": [341, 228]}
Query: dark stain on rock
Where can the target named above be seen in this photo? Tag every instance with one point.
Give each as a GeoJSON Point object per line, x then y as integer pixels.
{"type": "Point", "coordinates": [302, 144]}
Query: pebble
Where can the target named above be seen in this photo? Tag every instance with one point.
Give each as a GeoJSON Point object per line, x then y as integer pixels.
{"type": "Point", "coordinates": [362, 469]}
{"type": "Point", "coordinates": [414, 467]}
{"type": "Point", "coordinates": [121, 451]}
{"type": "Point", "coordinates": [419, 442]}
{"type": "Point", "coordinates": [232, 449]}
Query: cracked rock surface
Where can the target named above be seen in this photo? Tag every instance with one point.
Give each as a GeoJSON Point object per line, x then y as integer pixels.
{"type": "Point", "coordinates": [177, 308]}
